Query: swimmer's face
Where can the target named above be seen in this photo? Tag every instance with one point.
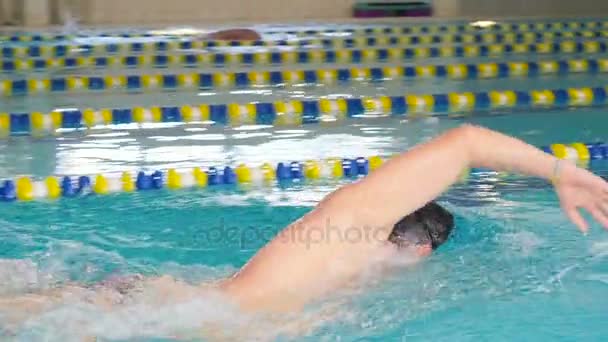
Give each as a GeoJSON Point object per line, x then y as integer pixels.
{"type": "Point", "coordinates": [415, 249]}
{"type": "Point", "coordinates": [406, 254]}
{"type": "Point", "coordinates": [424, 250]}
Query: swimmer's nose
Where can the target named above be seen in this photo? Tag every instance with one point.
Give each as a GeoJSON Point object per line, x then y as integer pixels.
{"type": "Point", "coordinates": [425, 250]}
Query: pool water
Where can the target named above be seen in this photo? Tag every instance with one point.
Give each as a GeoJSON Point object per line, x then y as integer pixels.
{"type": "Point", "coordinates": [515, 268]}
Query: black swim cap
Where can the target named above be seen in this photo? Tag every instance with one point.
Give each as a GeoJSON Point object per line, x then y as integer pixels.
{"type": "Point", "coordinates": [430, 224]}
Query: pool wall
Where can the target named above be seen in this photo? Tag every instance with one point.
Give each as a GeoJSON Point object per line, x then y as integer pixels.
{"type": "Point", "coordinates": [146, 12]}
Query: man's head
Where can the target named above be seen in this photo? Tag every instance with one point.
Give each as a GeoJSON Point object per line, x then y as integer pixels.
{"type": "Point", "coordinates": [428, 227]}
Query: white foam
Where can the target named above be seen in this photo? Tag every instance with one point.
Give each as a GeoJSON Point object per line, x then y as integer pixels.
{"type": "Point", "coordinates": [599, 249]}
{"type": "Point", "coordinates": [17, 276]}
{"type": "Point", "coordinates": [524, 242]}
{"type": "Point", "coordinates": [210, 316]}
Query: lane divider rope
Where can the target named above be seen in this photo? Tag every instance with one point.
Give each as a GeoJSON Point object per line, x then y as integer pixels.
{"type": "Point", "coordinates": [53, 187]}
{"type": "Point", "coordinates": [295, 113]}
{"type": "Point", "coordinates": [245, 80]}
{"type": "Point", "coordinates": [190, 45]}
{"type": "Point", "coordinates": [314, 56]}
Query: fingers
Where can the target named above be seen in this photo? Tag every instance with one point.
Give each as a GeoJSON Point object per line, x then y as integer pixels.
{"type": "Point", "coordinates": [575, 216]}
{"type": "Point", "coordinates": [603, 206]}
{"type": "Point", "coordinates": [599, 215]}
{"type": "Point", "coordinates": [603, 185]}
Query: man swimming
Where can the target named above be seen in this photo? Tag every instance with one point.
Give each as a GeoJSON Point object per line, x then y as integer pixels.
{"type": "Point", "coordinates": [234, 35]}
{"type": "Point", "coordinates": [390, 209]}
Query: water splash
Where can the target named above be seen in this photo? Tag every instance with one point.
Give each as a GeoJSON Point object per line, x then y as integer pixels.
{"type": "Point", "coordinates": [523, 243]}
{"type": "Point", "coordinates": [209, 316]}
{"type": "Point", "coordinates": [599, 250]}
{"type": "Point", "coordinates": [17, 276]}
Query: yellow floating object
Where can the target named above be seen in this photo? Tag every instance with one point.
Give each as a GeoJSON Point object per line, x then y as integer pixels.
{"type": "Point", "coordinates": [457, 71]}
{"type": "Point", "coordinates": [243, 173]}
{"type": "Point", "coordinates": [242, 114]}
{"type": "Point", "coordinates": [471, 51]}
{"type": "Point", "coordinates": [77, 82]}
{"type": "Point", "coordinates": [327, 76]}
{"type": "Point", "coordinates": [88, 116]}
{"type": "Point", "coordinates": [139, 115]}
{"type": "Point", "coordinates": [518, 68]}
{"type": "Point", "coordinates": [187, 113]}
{"type": "Point", "coordinates": [312, 169]}
{"type": "Point", "coordinates": [337, 171]}
{"type": "Point", "coordinates": [5, 125]}
{"type": "Point", "coordinates": [52, 187]}
{"type": "Point", "coordinates": [37, 121]}
{"type": "Point", "coordinates": [419, 104]}
{"type": "Point", "coordinates": [38, 85]}
{"type": "Point", "coordinates": [559, 150]}
{"type": "Point", "coordinates": [200, 177]}
{"type": "Point", "coordinates": [582, 150]}
{"type": "Point", "coordinates": [288, 113]}
{"type": "Point", "coordinates": [422, 52]}
{"type": "Point", "coordinates": [426, 71]}
{"type": "Point", "coordinates": [56, 120]}
{"type": "Point", "coordinates": [106, 115]}
{"type": "Point", "coordinates": [578, 65]}
{"type": "Point", "coordinates": [174, 179]}
{"type": "Point", "coordinates": [375, 162]}
{"type": "Point", "coordinates": [461, 101]}
{"type": "Point", "coordinates": [548, 67]}
{"type": "Point", "coordinates": [188, 80]}
{"type": "Point", "coordinates": [24, 189]}
{"type": "Point", "coordinates": [101, 185]}
{"type": "Point", "coordinates": [542, 97]}
{"type": "Point", "coordinates": [157, 114]}
{"type": "Point", "coordinates": [128, 185]}
{"type": "Point", "coordinates": [268, 173]}
{"type": "Point", "coordinates": [488, 70]}
{"type": "Point", "coordinates": [580, 96]}
{"type": "Point", "coordinates": [591, 46]}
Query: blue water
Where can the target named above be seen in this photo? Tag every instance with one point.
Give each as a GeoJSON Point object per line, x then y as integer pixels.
{"type": "Point", "coordinates": [514, 269]}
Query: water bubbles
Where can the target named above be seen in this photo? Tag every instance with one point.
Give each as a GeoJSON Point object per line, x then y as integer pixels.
{"type": "Point", "coordinates": [18, 276]}
{"type": "Point", "coordinates": [521, 243]}
{"type": "Point", "coordinates": [599, 249]}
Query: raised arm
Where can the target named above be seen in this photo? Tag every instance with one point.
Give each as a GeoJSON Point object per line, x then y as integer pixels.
{"type": "Point", "coordinates": [410, 180]}
{"type": "Point", "coordinates": [304, 251]}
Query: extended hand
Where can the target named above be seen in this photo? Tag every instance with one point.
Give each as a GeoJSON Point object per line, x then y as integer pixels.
{"type": "Point", "coordinates": [578, 189]}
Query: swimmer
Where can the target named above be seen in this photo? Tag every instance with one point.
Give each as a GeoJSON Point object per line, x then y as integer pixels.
{"type": "Point", "coordinates": [390, 210]}
{"type": "Point", "coordinates": [234, 35]}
